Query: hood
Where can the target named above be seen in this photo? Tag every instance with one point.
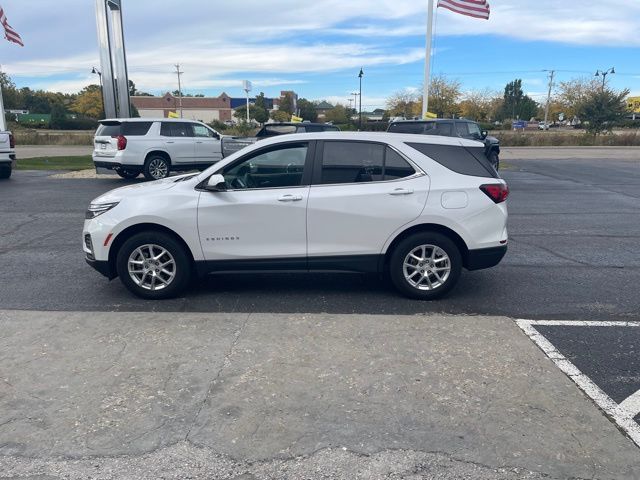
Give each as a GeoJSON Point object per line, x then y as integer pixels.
{"type": "Point", "coordinates": [492, 140]}
{"type": "Point", "coordinates": [140, 189]}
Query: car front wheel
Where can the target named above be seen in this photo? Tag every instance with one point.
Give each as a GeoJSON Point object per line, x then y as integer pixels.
{"type": "Point", "coordinates": [425, 266]}
{"type": "Point", "coordinates": [494, 160]}
{"type": "Point", "coordinates": [153, 265]}
{"type": "Point", "coordinates": [156, 168]}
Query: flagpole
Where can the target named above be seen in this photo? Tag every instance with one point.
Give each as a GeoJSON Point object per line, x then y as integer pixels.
{"type": "Point", "coordinates": [427, 63]}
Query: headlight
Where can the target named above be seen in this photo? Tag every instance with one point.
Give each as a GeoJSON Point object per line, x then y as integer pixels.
{"type": "Point", "coordinates": [96, 209]}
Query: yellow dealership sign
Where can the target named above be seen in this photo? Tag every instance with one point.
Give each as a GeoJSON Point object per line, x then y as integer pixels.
{"type": "Point", "coordinates": [633, 104]}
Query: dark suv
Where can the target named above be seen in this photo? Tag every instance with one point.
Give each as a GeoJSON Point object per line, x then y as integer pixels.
{"type": "Point", "coordinates": [274, 129]}
{"type": "Point", "coordinates": [449, 127]}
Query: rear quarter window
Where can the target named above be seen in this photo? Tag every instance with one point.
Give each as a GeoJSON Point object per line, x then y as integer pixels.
{"type": "Point", "coordinates": [135, 128]}
{"type": "Point", "coordinates": [406, 128]}
{"type": "Point", "coordinates": [464, 160]}
{"type": "Point", "coordinates": [109, 130]}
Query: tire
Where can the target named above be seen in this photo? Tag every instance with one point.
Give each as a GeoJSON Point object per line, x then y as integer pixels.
{"type": "Point", "coordinates": [435, 283]}
{"type": "Point", "coordinates": [152, 282]}
{"type": "Point", "coordinates": [127, 174]}
{"type": "Point", "coordinates": [494, 160]}
{"type": "Point", "coordinates": [5, 173]}
{"type": "Point", "coordinates": [156, 167]}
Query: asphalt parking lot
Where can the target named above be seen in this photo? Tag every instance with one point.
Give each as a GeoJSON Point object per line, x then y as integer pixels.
{"type": "Point", "coordinates": [574, 229]}
{"type": "Point", "coordinates": [332, 376]}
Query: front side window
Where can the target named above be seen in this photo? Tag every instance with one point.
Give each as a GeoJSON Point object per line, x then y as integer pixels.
{"type": "Point", "coordinates": [358, 162]}
{"type": "Point", "coordinates": [276, 168]}
{"type": "Point", "coordinates": [201, 131]}
{"type": "Point", "coordinates": [474, 130]}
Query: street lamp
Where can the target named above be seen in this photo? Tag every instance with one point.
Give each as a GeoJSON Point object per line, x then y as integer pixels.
{"type": "Point", "coordinates": [360, 75]}
{"type": "Point", "coordinates": [604, 75]}
{"type": "Point", "coordinates": [95, 71]}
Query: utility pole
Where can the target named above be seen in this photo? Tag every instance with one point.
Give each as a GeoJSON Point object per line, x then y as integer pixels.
{"type": "Point", "coordinates": [178, 72]}
{"type": "Point", "coordinates": [427, 63]}
{"type": "Point", "coordinates": [360, 75]}
{"type": "Point", "coordinates": [546, 108]}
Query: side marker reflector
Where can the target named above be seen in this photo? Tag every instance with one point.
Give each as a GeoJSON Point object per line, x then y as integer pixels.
{"type": "Point", "coordinates": [108, 239]}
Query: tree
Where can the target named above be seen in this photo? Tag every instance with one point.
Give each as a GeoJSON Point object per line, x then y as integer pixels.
{"type": "Point", "coordinates": [280, 116]}
{"type": "Point", "coordinates": [601, 109]}
{"type": "Point", "coordinates": [444, 95]}
{"type": "Point", "coordinates": [286, 103]}
{"type": "Point", "coordinates": [516, 103]}
{"type": "Point", "coordinates": [339, 115]}
{"type": "Point", "coordinates": [260, 110]}
{"type": "Point", "coordinates": [10, 94]}
{"type": "Point", "coordinates": [478, 105]}
{"type": "Point", "coordinates": [307, 110]}
{"type": "Point", "coordinates": [404, 103]}
{"type": "Point", "coordinates": [573, 93]}
{"type": "Point", "coordinates": [58, 116]}
{"type": "Point", "coordinates": [89, 102]}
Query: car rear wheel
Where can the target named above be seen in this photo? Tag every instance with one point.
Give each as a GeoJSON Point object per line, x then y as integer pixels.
{"type": "Point", "coordinates": [127, 174]}
{"type": "Point", "coordinates": [5, 173]}
{"type": "Point", "coordinates": [153, 265]}
{"type": "Point", "coordinates": [425, 265]}
{"type": "Point", "coordinates": [156, 167]}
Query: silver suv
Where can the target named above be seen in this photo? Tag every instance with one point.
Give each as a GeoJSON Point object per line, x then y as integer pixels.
{"type": "Point", "coordinates": [155, 147]}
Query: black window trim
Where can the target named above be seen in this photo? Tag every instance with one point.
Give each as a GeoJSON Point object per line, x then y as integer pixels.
{"type": "Point", "coordinates": [306, 172]}
{"type": "Point", "coordinates": [317, 165]}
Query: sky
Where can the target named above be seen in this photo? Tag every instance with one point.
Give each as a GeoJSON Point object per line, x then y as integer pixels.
{"type": "Point", "coordinates": [317, 48]}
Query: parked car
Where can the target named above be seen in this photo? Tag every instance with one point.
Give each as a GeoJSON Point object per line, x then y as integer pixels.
{"type": "Point", "coordinates": [285, 128]}
{"type": "Point", "coordinates": [155, 147]}
{"type": "Point", "coordinates": [231, 145]}
{"type": "Point", "coordinates": [458, 127]}
{"type": "Point", "coordinates": [7, 154]}
{"type": "Point", "coordinates": [418, 207]}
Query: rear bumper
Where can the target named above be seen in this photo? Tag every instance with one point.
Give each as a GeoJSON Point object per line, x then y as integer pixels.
{"type": "Point", "coordinates": [485, 257]}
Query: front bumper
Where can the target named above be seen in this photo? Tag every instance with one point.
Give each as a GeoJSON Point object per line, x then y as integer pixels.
{"type": "Point", "coordinates": [103, 267]}
{"type": "Point", "coordinates": [485, 257]}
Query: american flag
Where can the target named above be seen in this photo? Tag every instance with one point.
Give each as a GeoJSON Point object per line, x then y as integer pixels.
{"type": "Point", "coordinates": [471, 8]}
{"type": "Point", "coordinates": [9, 33]}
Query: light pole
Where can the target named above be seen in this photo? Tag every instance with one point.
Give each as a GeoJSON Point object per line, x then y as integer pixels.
{"type": "Point", "coordinates": [95, 71]}
{"type": "Point", "coordinates": [604, 75]}
{"type": "Point", "coordinates": [360, 75]}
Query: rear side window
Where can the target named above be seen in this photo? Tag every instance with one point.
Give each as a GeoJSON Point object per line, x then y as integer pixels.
{"type": "Point", "coordinates": [358, 162]}
{"type": "Point", "coordinates": [438, 128]}
{"type": "Point", "coordinates": [464, 160]}
{"type": "Point", "coordinates": [270, 131]}
{"type": "Point", "coordinates": [109, 130]}
{"type": "Point", "coordinates": [176, 129]}
{"type": "Point", "coordinates": [406, 127]}
{"type": "Point", "coordinates": [136, 128]}
{"type": "Point", "coordinates": [462, 129]}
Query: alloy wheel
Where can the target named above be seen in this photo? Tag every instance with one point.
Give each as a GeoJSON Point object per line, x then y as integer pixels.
{"type": "Point", "coordinates": [151, 267]}
{"type": "Point", "coordinates": [426, 267]}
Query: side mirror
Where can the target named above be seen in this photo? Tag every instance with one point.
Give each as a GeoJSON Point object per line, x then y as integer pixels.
{"type": "Point", "coordinates": [484, 134]}
{"type": "Point", "coordinates": [216, 183]}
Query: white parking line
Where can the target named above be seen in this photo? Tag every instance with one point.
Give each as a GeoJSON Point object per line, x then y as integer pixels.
{"type": "Point", "coordinates": [623, 414]}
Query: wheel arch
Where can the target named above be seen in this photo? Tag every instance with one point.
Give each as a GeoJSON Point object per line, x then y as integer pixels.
{"type": "Point", "coordinates": [428, 227]}
{"type": "Point", "coordinates": [128, 232]}
{"type": "Point", "coordinates": [158, 152]}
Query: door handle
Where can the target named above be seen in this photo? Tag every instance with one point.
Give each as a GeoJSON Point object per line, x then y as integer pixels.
{"type": "Point", "coordinates": [198, 142]}
{"type": "Point", "coordinates": [290, 198]}
{"type": "Point", "coordinates": [401, 191]}
{"type": "Point", "coordinates": [170, 142]}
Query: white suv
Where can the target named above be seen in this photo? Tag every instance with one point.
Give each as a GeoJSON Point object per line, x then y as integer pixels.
{"type": "Point", "coordinates": [131, 146]}
{"type": "Point", "coordinates": [419, 208]}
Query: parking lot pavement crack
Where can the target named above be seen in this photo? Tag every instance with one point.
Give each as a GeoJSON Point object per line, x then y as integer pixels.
{"type": "Point", "coordinates": [225, 362]}
{"type": "Point", "coordinates": [187, 460]}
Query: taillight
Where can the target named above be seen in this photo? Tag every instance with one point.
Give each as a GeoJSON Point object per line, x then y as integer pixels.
{"type": "Point", "coordinates": [122, 141]}
{"type": "Point", "coordinates": [498, 192]}
{"type": "Point", "coordinates": [12, 141]}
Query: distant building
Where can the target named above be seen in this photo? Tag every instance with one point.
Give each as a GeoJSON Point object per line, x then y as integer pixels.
{"type": "Point", "coordinates": [204, 109]}
{"type": "Point", "coordinates": [322, 108]}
